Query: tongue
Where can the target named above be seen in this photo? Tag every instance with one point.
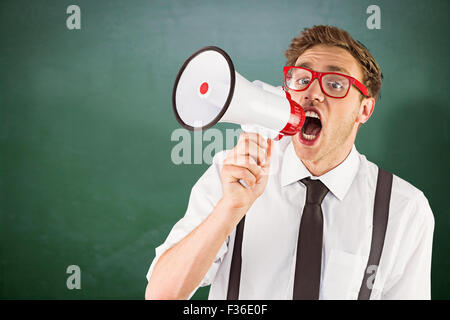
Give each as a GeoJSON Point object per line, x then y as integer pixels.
{"type": "Point", "coordinates": [312, 128]}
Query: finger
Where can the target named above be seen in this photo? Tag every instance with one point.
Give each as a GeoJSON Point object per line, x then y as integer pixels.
{"type": "Point", "coordinates": [245, 161]}
{"type": "Point", "coordinates": [255, 137]}
{"type": "Point", "coordinates": [251, 148]}
{"type": "Point", "coordinates": [268, 153]}
{"type": "Point", "coordinates": [237, 173]}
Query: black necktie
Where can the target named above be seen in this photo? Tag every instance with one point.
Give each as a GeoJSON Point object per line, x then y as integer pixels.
{"type": "Point", "coordinates": [309, 246]}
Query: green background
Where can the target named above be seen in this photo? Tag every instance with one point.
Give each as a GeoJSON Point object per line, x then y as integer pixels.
{"type": "Point", "coordinates": [86, 175]}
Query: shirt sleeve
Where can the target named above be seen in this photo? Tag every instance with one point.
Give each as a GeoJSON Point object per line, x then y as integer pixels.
{"type": "Point", "coordinates": [204, 196]}
{"type": "Point", "coordinates": [415, 280]}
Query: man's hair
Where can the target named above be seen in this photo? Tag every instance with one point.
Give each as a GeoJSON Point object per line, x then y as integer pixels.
{"type": "Point", "coordinates": [333, 36]}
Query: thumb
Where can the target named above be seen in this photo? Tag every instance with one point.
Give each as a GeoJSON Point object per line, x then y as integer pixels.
{"type": "Point", "coordinates": [266, 164]}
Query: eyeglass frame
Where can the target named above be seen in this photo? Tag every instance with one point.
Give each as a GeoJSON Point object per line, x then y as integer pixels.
{"type": "Point", "coordinates": [318, 75]}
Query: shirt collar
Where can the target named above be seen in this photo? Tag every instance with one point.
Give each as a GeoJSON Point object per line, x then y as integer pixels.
{"type": "Point", "coordinates": [338, 180]}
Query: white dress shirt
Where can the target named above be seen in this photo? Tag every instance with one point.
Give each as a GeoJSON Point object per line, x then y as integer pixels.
{"type": "Point", "coordinates": [272, 225]}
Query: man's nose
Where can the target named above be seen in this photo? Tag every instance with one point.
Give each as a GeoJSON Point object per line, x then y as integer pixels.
{"type": "Point", "coordinates": [314, 92]}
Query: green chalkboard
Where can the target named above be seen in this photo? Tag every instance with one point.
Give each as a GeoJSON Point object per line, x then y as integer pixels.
{"type": "Point", "coordinates": [86, 176]}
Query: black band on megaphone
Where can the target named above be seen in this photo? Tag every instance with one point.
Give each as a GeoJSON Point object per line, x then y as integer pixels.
{"type": "Point", "coordinates": [230, 93]}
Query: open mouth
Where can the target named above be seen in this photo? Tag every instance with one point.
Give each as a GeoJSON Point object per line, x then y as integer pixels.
{"type": "Point", "coordinates": [312, 127]}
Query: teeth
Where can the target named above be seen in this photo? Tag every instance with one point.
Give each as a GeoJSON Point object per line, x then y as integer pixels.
{"type": "Point", "coordinates": [312, 114]}
{"type": "Point", "coordinates": [308, 136]}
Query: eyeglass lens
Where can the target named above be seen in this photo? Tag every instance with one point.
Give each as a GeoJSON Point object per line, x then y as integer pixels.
{"type": "Point", "coordinates": [333, 84]}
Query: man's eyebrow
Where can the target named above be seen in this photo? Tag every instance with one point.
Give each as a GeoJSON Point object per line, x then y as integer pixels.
{"type": "Point", "coordinates": [337, 69]}
{"type": "Point", "coordinates": [331, 68]}
{"type": "Point", "coordinates": [304, 65]}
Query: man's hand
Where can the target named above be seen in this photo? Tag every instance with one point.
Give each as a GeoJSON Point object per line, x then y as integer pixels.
{"type": "Point", "coordinates": [181, 268]}
{"type": "Point", "coordinates": [249, 161]}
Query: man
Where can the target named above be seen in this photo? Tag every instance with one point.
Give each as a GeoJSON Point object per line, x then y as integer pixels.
{"type": "Point", "coordinates": [297, 244]}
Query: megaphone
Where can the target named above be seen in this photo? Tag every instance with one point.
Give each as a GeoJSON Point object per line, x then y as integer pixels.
{"type": "Point", "coordinates": [209, 90]}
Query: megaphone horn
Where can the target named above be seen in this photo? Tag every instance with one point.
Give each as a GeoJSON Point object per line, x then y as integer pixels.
{"type": "Point", "coordinates": [208, 90]}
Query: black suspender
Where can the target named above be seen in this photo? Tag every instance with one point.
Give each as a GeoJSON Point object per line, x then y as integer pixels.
{"type": "Point", "coordinates": [380, 219]}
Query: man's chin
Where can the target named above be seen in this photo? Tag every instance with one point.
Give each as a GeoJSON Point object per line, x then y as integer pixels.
{"type": "Point", "coordinates": [306, 149]}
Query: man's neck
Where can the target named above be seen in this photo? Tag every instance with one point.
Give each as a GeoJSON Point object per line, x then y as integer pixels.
{"type": "Point", "coordinates": [329, 161]}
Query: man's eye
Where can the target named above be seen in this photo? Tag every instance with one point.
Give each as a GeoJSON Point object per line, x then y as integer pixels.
{"type": "Point", "coordinates": [303, 81]}
{"type": "Point", "coordinates": [335, 85]}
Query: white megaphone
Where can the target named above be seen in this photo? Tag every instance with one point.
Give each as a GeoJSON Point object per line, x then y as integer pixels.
{"type": "Point", "coordinates": [208, 90]}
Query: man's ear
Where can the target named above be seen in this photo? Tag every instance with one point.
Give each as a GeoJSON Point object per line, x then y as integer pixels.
{"type": "Point", "coordinates": [366, 109]}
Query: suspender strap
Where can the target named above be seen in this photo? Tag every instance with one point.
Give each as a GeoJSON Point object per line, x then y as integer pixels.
{"type": "Point", "coordinates": [236, 262]}
{"type": "Point", "coordinates": [380, 220]}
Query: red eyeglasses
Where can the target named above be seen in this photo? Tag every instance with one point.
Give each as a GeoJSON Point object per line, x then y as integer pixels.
{"type": "Point", "coordinates": [334, 85]}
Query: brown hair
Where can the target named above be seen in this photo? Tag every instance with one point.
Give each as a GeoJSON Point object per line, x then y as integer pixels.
{"type": "Point", "coordinates": [334, 36]}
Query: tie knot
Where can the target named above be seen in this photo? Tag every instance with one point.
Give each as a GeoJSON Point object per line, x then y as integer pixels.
{"type": "Point", "coordinates": [315, 191]}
